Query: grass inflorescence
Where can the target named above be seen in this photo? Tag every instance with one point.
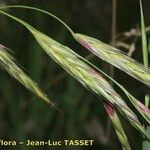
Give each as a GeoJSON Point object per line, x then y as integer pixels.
{"type": "Point", "coordinates": [84, 72]}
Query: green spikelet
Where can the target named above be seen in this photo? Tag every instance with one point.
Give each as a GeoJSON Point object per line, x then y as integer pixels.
{"type": "Point", "coordinates": [115, 57]}
{"type": "Point", "coordinates": [117, 126]}
{"type": "Point", "coordinates": [8, 64]}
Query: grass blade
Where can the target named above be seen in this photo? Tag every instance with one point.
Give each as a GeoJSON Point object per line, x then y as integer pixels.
{"type": "Point", "coordinates": [146, 144]}
{"type": "Point", "coordinates": [144, 48]}
{"type": "Point", "coordinates": [144, 39]}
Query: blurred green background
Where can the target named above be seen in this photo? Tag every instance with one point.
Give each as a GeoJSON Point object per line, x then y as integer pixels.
{"type": "Point", "coordinates": [22, 115]}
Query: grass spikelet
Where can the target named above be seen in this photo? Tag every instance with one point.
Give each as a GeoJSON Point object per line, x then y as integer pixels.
{"type": "Point", "coordinates": [115, 57]}
{"type": "Point", "coordinates": [8, 64]}
{"type": "Point", "coordinates": [117, 126]}
{"type": "Point", "coordinates": [86, 75]}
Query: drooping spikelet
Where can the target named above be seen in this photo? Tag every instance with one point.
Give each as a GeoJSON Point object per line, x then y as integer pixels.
{"type": "Point", "coordinates": [8, 64]}
{"type": "Point", "coordinates": [115, 57]}
{"type": "Point", "coordinates": [118, 126]}
{"type": "Point", "coordinates": [86, 75]}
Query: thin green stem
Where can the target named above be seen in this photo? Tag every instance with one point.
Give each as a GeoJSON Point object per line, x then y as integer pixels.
{"type": "Point", "coordinates": [145, 49]}
{"type": "Point", "coordinates": [40, 10]}
{"type": "Point", "coordinates": [146, 144]}
{"type": "Point", "coordinates": [144, 39]}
